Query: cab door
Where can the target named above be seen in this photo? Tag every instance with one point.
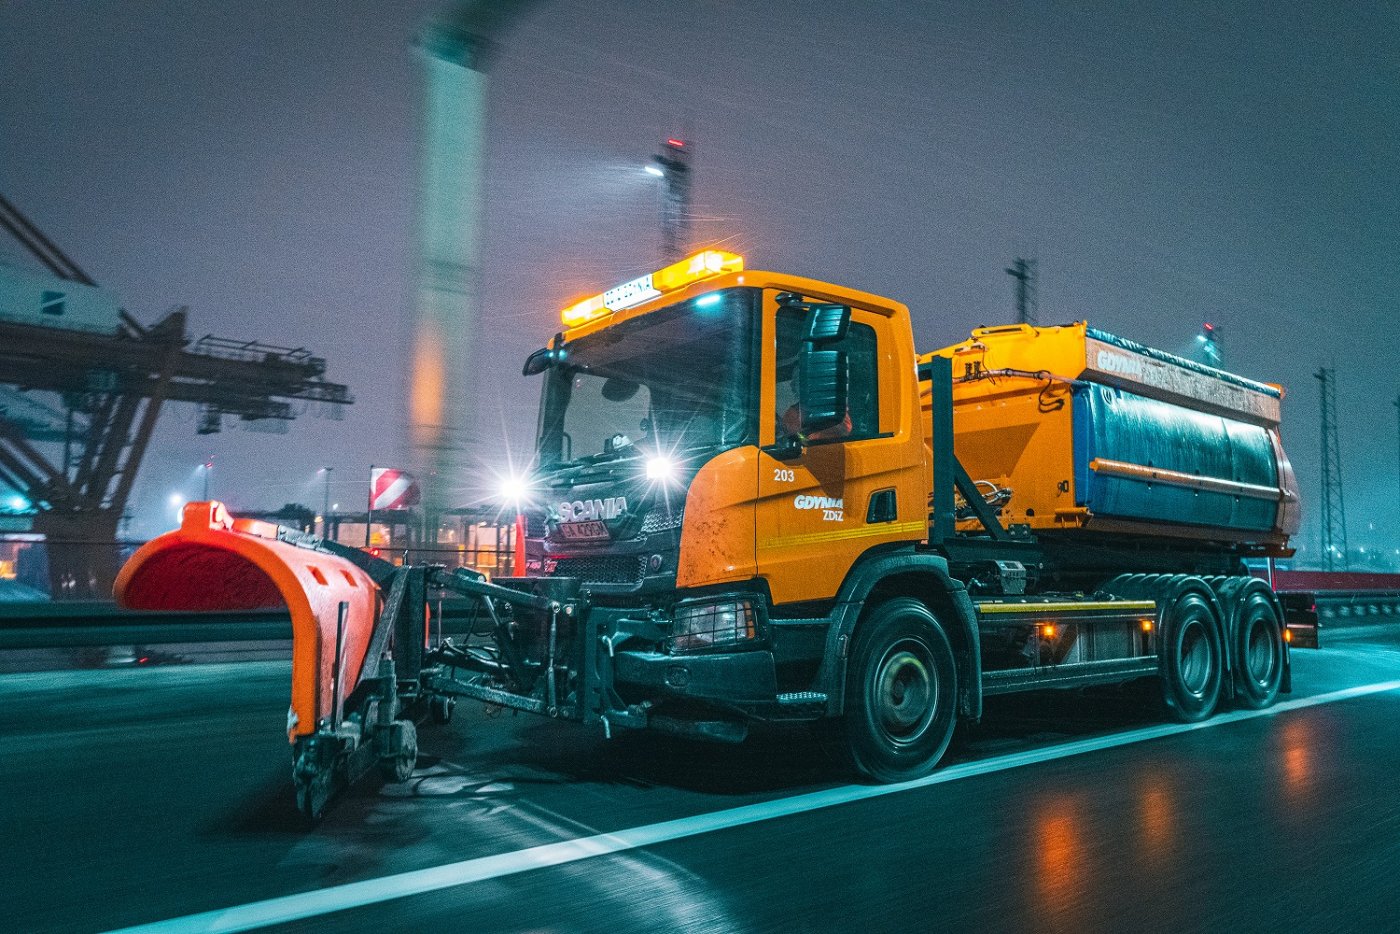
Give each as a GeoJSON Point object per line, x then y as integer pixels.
{"type": "Point", "coordinates": [844, 490]}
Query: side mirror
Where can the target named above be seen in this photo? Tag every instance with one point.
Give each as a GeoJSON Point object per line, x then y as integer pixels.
{"type": "Point", "coordinates": [538, 362]}
{"type": "Point", "coordinates": [824, 380]}
{"type": "Point", "coordinates": [826, 324]}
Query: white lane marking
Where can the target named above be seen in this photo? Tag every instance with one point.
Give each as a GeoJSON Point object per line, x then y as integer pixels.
{"type": "Point", "coordinates": [289, 908]}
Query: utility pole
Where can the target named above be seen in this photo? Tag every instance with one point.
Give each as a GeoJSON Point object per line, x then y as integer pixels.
{"type": "Point", "coordinates": [1334, 516]}
{"type": "Point", "coordinates": [672, 166]}
{"type": "Point", "coordinates": [1023, 271]}
{"type": "Point", "coordinates": [326, 504]}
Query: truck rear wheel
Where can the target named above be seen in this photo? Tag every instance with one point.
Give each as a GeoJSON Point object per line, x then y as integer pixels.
{"type": "Point", "coordinates": [1258, 652]}
{"type": "Point", "coordinates": [902, 693]}
{"type": "Point", "coordinates": [1191, 658]}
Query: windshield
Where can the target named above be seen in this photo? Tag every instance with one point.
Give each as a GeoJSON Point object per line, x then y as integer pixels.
{"type": "Point", "coordinates": [677, 378]}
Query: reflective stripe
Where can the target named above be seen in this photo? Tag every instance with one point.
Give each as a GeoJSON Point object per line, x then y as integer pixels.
{"type": "Point", "coordinates": [838, 535]}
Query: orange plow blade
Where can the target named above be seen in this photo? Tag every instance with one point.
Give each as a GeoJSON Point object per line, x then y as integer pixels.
{"type": "Point", "coordinates": [215, 562]}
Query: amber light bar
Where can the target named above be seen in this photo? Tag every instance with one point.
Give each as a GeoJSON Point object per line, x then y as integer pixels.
{"type": "Point", "coordinates": [704, 265]}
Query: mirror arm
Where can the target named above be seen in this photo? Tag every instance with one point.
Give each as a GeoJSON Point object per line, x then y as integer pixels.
{"type": "Point", "coordinates": [789, 447]}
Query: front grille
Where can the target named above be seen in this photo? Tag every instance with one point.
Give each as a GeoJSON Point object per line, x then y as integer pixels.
{"type": "Point", "coordinates": [535, 525]}
{"type": "Point", "coordinates": [602, 569]}
{"type": "Point", "coordinates": [659, 520]}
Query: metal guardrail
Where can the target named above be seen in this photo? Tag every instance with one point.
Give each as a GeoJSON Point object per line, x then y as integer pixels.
{"type": "Point", "coordinates": [1357, 608]}
{"type": "Point", "coordinates": [77, 625]}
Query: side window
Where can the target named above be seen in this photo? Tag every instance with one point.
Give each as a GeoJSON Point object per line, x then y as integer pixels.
{"type": "Point", "coordinates": [864, 362]}
{"type": "Point", "coordinates": [862, 355]}
{"type": "Point", "coordinates": [789, 334]}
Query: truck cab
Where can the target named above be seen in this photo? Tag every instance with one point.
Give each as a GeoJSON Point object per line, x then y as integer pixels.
{"type": "Point", "coordinates": [673, 454]}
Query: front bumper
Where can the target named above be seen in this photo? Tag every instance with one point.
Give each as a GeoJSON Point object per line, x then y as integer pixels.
{"type": "Point", "coordinates": [728, 679]}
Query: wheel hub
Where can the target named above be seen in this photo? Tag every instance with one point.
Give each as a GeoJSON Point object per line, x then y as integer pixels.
{"type": "Point", "coordinates": [905, 689]}
{"type": "Point", "coordinates": [1196, 665]}
{"type": "Point", "coordinates": [1260, 653]}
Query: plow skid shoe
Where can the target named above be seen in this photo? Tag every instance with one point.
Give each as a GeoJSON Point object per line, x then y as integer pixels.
{"type": "Point", "coordinates": [215, 562]}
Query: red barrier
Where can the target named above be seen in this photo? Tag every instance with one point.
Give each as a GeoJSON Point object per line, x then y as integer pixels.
{"type": "Point", "coordinates": [215, 562]}
{"type": "Point", "coordinates": [1323, 581]}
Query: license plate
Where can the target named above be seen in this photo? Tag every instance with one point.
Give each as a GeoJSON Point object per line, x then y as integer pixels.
{"type": "Point", "coordinates": [590, 531]}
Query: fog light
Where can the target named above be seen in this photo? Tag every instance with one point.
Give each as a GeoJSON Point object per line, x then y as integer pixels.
{"type": "Point", "coordinates": [702, 625]}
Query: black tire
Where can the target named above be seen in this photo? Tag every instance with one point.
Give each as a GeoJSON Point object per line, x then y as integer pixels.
{"type": "Point", "coordinates": [1191, 658]}
{"type": "Point", "coordinates": [397, 762]}
{"type": "Point", "coordinates": [440, 708]}
{"type": "Point", "coordinates": [901, 696]}
{"type": "Point", "coordinates": [1258, 651]}
{"type": "Point", "coordinates": [313, 794]}
{"type": "Point", "coordinates": [314, 778]}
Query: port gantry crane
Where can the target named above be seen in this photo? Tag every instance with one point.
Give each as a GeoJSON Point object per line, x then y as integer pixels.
{"type": "Point", "coordinates": [111, 386]}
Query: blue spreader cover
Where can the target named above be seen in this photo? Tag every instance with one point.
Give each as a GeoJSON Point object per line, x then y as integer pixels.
{"type": "Point", "coordinates": [1112, 424]}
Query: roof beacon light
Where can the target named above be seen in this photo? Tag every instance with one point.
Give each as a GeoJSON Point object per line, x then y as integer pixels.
{"type": "Point", "coordinates": [704, 265]}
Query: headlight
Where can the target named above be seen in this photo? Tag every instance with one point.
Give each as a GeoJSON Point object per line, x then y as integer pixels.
{"type": "Point", "coordinates": [702, 625]}
{"type": "Point", "coordinates": [513, 491]}
{"type": "Point", "coordinates": [661, 469]}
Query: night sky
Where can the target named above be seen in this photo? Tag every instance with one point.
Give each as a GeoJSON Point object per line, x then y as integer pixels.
{"type": "Point", "coordinates": [1235, 163]}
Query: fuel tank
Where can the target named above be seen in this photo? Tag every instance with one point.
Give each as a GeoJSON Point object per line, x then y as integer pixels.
{"type": "Point", "coordinates": [1071, 429]}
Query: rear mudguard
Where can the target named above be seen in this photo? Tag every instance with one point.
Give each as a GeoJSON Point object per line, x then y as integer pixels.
{"type": "Point", "coordinates": [215, 562]}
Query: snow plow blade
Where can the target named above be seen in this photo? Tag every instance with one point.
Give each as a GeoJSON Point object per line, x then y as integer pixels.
{"type": "Point", "coordinates": [215, 562]}
{"type": "Point", "coordinates": [366, 665]}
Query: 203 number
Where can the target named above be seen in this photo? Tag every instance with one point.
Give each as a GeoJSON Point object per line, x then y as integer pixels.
{"type": "Point", "coordinates": [783, 475]}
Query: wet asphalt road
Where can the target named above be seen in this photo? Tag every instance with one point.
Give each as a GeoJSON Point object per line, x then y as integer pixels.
{"type": "Point", "coordinates": [135, 796]}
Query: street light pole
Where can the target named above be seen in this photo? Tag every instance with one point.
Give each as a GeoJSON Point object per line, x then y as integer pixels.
{"type": "Point", "coordinates": [672, 166]}
{"type": "Point", "coordinates": [326, 503]}
{"type": "Point", "coordinates": [208, 466]}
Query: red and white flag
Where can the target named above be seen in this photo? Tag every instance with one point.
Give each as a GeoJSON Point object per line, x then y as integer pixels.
{"type": "Point", "coordinates": [392, 489]}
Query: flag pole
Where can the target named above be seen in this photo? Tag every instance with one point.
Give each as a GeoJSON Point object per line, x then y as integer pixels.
{"type": "Point", "coordinates": [369, 505]}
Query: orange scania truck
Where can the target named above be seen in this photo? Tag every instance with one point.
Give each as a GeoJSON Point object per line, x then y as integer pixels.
{"type": "Point", "coordinates": [754, 500]}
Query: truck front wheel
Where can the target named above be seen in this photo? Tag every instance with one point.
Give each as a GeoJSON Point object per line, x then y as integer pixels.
{"type": "Point", "coordinates": [902, 693]}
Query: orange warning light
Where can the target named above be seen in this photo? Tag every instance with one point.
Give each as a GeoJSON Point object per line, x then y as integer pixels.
{"type": "Point", "coordinates": [703, 265]}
